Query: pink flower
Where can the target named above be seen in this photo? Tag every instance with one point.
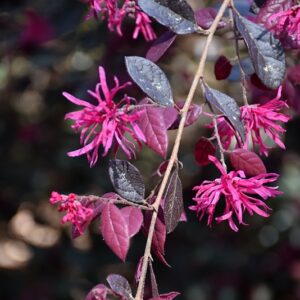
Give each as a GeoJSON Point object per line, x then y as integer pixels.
{"type": "Point", "coordinates": [284, 22]}
{"type": "Point", "coordinates": [115, 14]}
{"type": "Point", "coordinates": [240, 194]}
{"type": "Point", "coordinates": [77, 214]}
{"type": "Point", "coordinates": [258, 118]}
{"type": "Point", "coordinates": [105, 124]}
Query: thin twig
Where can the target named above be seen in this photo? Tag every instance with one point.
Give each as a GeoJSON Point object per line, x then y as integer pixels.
{"type": "Point", "coordinates": [173, 158]}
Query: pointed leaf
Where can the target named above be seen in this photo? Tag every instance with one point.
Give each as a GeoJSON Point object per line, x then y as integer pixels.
{"type": "Point", "coordinates": [154, 288]}
{"type": "Point", "coordinates": [151, 79]}
{"type": "Point", "coordinates": [173, 206]}
{"type": "Point", "coordinates": [154, 122]}
{"type": "Point", "coordinates": [134, 219]}
{"type": "Point", "coordinates": [265, 52]}
{"type": "Point", "coordinates": [176, 15]}
{"type": "Point", "coordinates": [222, 68]}
{"type": "Point", "coordinates": [127, 180]}
{"type": "Point", "coordinates": [114, 230]}
{"type": "Point", "coordinates": [205, 17]}
{"type": "Point", "coordinates": [193, 115]}
{"type": "Point", "coordinates": [228, 107]}
{"type": "Point", "coordinates": [160, 46]}
{"type": "Point", "coordinates": [98, 292]}
{"type": "Point", "coordinates": [203, 149]}
{"type": "Point", "coordinates": [120, 285]}
{"type": "Point", "coordinates": [247, 161]}
{"type": "Point", "coordinates": [159, 236]}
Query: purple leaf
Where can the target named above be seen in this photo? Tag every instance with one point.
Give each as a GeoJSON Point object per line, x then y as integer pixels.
{"type": "Point", "coordinates": [193, 115]}
{"type": "Point", "coordinates": [247, 161]}
{"type": "Point", "coordinates": [159, 236]}
{"type": "Point", "coordinates": [222, 68]}
{"type": "Point", "coordinates": [203, 149]}
{"type": "Point", "coordinates": [127, 180]}
{"type": "Point", "coordinates": [169, 296]}
{"type": "Point", "coordinates": [160, 46]}
{"type": "Point", "coordinates": [98, 292]}
{"type": "Point", "coordinates": [228, 107]}
{"type": "Point", "coordinates": [176, 15]}
{"type": "Point", "coordinates": [265, 51]}
{"type": "Point", "coordinates": [154, 288]}
{"type": "Point", "coordinates": [173, 206]}
{"type": "Point", "coordinates": [205, 17]}
{"type": "Point", "coordinates": [134, 219]}
{"type": "Point", "coordinates": [120, 285]}
{"type": "Point", "coordinates": [154, 122]}
{"type": "Point", "coordinates": [138, 271]}
{"type": "Point", "coordinates": [151, 79]}
{"type": "Point", "coordinates": [114, 230]}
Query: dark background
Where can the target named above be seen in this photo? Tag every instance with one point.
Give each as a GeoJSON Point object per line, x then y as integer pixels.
{"type": "Point", "coordinates": [38, 259]}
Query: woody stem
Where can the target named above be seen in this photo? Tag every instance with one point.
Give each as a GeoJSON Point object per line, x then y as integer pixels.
{"type": "Point", "coordinates": [174, 154]}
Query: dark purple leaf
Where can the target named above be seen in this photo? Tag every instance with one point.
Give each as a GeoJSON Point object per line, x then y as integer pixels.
{"type": "Point", "coordinates": [265, 52]}
{"type": "Point", "coordinates": [247, 66]}
{"type": "Point", "coordinates": [247, 161]}
{"type": "Point", "coordinates": [222, 68]}
{"type": "Point", "coordinates": [159, 236]}
{"type": "Point", "coordinates": [154, 288]}
{"type": "Point", "coordinates": [154, 122]}
{"type": "Point", "coordinates": [160, 46]}
{"type": "Point", "coordinates": [203, 149]}
{"type": "Point", "coordinates": [120, 285]}
{"type": "Point", "coordinates": [173, 206]}
{"type": "Point", "coordinates": [228, 107]}
{"type": "Point", "coordinates": [114, 230]}
{"type": "Point", "coordinates": [134, 219]}
{"type": "Point", "coordinates": [151, 79]}
{"type": "Point", "coordinates": [127, 180]}
{"type": "Point", "coordinates": [138, 271]}
{"type": "Point", "coordinates": [169, 296]}
{"type": "Point", "coordinates": [205, 17]}
{"type": "Point", "coordinates": [176, 15]}
{"type": "Point", "coordinates": [98, 292]}
{"type": "Point", "coordinates": [193, 115]}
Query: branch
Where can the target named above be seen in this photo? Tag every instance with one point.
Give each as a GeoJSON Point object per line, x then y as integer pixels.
{"type": "Point", "coordinates": [173, 158]}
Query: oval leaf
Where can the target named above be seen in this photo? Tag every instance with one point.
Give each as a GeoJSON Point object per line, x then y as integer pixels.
{"type": "Point", "coordinates": [193, 115]}
{"type": "Point", "coordinates": [222, 68]}
{"type": "Point", "coordinates": [99, 291]}
{"type": "Point", "coordinates": [120, 285]}
{"type": "Point", "coordinates": [151, 79]}
{"type": "Point", "coordinates": [247, 161]}
{"type": "Point", "coordinates": [134, 219]}
{"type": "Point", "coordinates": [265, 50]}
{"type": "Point", "coordinates": [205, 17]}
{"type": "Point", "coordinates": [228, 107]}
{"type": "Point", "coordinates": [203, 149]}
{"type": "Point", "coordinates": [176, 15]}
{"type": "Point", "coordinates": [160, 46]}
{"type": "Point", "coordinates": [114, 230]}
{"type": "Point", "coordinates": [127, 180]}
{"type": "Point", "coordinates": [173, 206]}
{"type": "Point", "coordinates": [154, 123]}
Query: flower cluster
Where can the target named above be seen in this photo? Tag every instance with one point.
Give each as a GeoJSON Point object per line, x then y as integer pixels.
{"type": "Point", "coordinates": [285, 23]}
{"type": "Point", "coordinates": [116, 13]}
{"type": "Point", "coordinates": [106, 123]}
{"type": "Point", "coordinates": [77, 214]}
{"type": "Point", "coordinates": [240, 194]}
{"type": "Point", "coordinates": [258, 119]}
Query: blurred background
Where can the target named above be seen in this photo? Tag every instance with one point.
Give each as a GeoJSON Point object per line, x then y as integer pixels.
{"type": "Point", "coordinates": [47, 47]}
